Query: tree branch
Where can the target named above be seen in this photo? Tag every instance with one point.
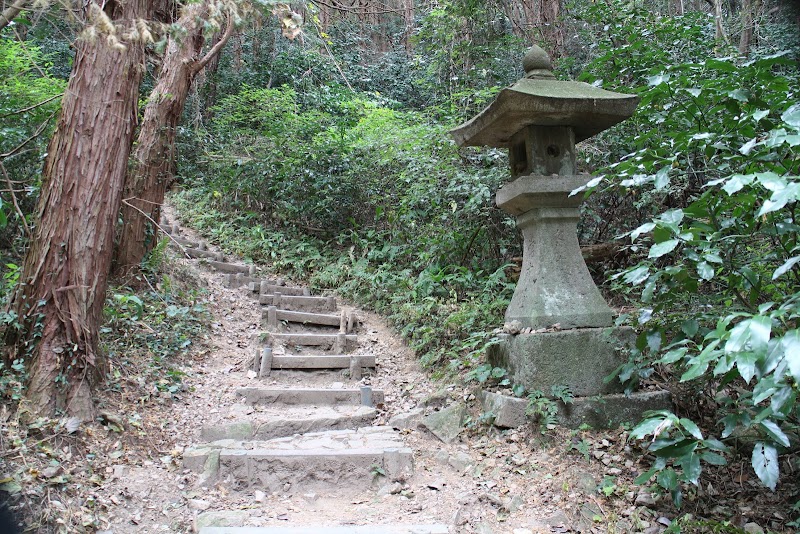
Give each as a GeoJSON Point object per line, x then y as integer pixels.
{"type": "Point", "coordinates": [16, 205]}
{"type": "Point", "coordinates": [24, 110]}
{"type": "Point", "coordinates": [126, 201]}
{"type": "Point", "coordinates": [11, 12]}
{"type": "Point", "coordinates": [200, 64]}
{"type": "Point", "coordinates": [36, 134]}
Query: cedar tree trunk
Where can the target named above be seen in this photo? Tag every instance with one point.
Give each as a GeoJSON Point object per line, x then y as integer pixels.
{"type": "Point", "coordinates": [63, 284]}
{"type": "Point", "coordinates": [151, 170]}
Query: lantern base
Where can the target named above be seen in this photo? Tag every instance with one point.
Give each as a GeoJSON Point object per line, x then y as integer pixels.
{"type": "Point", "coordinates": [579, 359]}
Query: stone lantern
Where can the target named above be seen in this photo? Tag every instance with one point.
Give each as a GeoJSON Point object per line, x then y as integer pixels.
{"type": "Point", "coordinates": [560, 328]}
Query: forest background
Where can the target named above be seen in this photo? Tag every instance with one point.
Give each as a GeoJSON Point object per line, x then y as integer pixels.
{"type": "Point", "coordinates": [313, 138]}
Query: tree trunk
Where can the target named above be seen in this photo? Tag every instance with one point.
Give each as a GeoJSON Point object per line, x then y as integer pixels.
{"type": "Point", "coordinates": [64, 279]}
{"type": "Point", "coordinates": [151, 171]}
{"type": "Point", "coordinates": [749, 8]}
{"type": "Point", "coordinates": [11, 12]}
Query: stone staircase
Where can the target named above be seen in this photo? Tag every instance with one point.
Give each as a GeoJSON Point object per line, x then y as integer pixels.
{"type": "Point", "coordinates": [309, 425]}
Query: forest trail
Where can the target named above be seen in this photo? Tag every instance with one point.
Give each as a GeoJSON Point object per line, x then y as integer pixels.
{"type": "Point", "coordinates": [311, 416]}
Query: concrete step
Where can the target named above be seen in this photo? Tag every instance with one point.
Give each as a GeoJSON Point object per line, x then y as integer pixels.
{"type": "Point", "coordinates": [299, 303]}
{"type": "Point", "coordinates": [348, 529]}
{"type": "Point", "coordinates": [197, 253]}
{"type": "Point", "coordinates": [338, 342]}
{"type": "Point", "coordinates": [225, 267]}
{"type": "Point", "coordinates": [241, 279]}
{"type": "Point", "coordinates": [339, 461]}
{"type": "Point", "coordinates": [364, 396]}
{"type": "Point", "coordinates": [247, 422]}
{"type": "Point", "coordinates": [336, 361]}
{"type": "Point", "coordinates": [267, 287]}
{"type": "Point", "coordinates": [182, 241]}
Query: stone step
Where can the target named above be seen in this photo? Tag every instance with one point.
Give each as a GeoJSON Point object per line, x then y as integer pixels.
{"type": "Point", "coordinates": [364, 396]}
{"type": "Point", "coordinates": [182, 241]}
{"type": "Point", "coordinates": [348, 529]}
{"type": "Point", "coordinates": [225, 267]}
{"type": "Point", "coordinates": [272, 315]}
{"type": "Point", "coordinates": [339, 342]}
{"type": "Point", "coordinates": [299, 303]}
{"type": "Point", "coordinates": [273, 422]}
{"type": "Point", "coordinates": [196, 253]}
{"type": "Point", "coordinates": [274, 288]}
{"type": "Point", "coordinates": [336, 361]}
{"type": "Point", "coordinates": [336, 461]}
{"type": "Point", "coordinates": [241, 279]}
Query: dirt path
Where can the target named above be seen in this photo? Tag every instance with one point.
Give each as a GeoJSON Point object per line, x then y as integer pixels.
{"type": "Point", "coordinates": [301, 448]}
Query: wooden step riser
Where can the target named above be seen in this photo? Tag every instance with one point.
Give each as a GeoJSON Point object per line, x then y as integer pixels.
{"type": "Point", "coordinates": [299, 303]}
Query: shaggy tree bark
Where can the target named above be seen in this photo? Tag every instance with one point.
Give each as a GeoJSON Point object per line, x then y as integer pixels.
{"type": "Point", "coordinates": [151, 170]}
{"type": "Point", "coordinates": [63, 284]}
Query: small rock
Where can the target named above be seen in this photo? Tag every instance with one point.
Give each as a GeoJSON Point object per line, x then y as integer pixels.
{"type": "Point", "coordinates": [442, 457]}
{"type": "Point", "coordinates": [407, 420]}
{"type": "Point", "coordinates": [645, 498]}
{"type": "Point", "coordinates": [199, 504]}
{"type": "Point", "coordinates": [446, 424]}
{"type": "Point", "coordinates": [509, 412]}
{"type": "Point", "coordinates": [460, 461]}
{"type": "Point", "coordinates": [513, 504]}
{"type": "Point", "coordinates": [753, 528]}
{"type": "Point", "coordinates": [260, 496]}
{"type": "Point", "coordinates": [231, 518]}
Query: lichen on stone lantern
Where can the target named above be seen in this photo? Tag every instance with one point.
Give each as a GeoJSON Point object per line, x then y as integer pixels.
{"type": "Point", "coordinates": [561, 329]}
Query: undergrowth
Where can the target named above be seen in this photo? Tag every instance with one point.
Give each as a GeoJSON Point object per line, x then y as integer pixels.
{"type": "Point", "coordinates": [54, 468]}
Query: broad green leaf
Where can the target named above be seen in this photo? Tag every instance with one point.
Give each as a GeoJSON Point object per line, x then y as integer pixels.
{"type": "Point", "coordinates": [672, 216]}
{"type": "Point", "coordinates": [694, 91]}
{"type": "Point", "coordinates": [739, 94]}
{"type": "Point", "coordinates": [771, 181]}
{"type": "Point", "coordinates": [765, 464]}
{"type": "Point", "coordinates": [691, 428]}
{"type": "Point", "coordinates": [791, 348]}
{"type": "Point", "coordinates": [760, 114]}
{"type": "Point", "coordinates": [737, 182]}
{"type": "Point", "coordinates": [748, 146]}
{"type": "Point", "coordinates": [658, 79]}
{"type": "Point", "coordinates": [660, 249]}
{"type": "Point", "coordinates": [643, 229]}
{"type": "Point", "coordinates": [645, 428]}
{"type": "Point", "coordinates": [662, 178]}
{"type": "Point", "coordinates": [673, 356]}
{"type": "Point", "coordinates": [780, 198]}
{"type": "Point", "coordinates": [705, 270]}
{"type": "Point", "coordinates": [713, 458]}
{"type": "Point", "coordinates": [691, 467]}
{"type": "Point", "coordinates": [787, 265]}
{"type": "Point", "coordinates": [694, 371]}
{"type": "Point", "coordinates": [637, 276]}
{"type": "Point", "coordinates": [746, 364]}
{"type": "Point", "coordinates": [644, 477]}
{"type": "Point", "coordinates": [720, 65]}
{"type": "Point", "coordinates": [751, 333]}
{"type": "Point", "coordinates": [792, 116]}
{"type": "Point", "coordinates": [774, 431]}
{"type": "Point", "coordinates": [667, 479]}
{"type": "Point", "coordinates": [690, 327]}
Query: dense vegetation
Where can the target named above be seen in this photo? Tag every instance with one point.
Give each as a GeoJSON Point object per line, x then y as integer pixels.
{"type": "Point", "coordinates": [331, 162]}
